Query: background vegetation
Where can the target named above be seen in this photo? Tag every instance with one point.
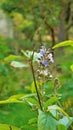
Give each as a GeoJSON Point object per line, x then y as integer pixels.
{"type": "Point", "coordinates": [28, 24]}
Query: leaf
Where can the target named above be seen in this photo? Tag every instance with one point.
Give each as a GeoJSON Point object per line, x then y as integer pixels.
{"type": "Point", "coordinates": [53, 112]}
{"type": "Point", "coordinates": [17, 64]}
{"type": "Point", "coordinates": [19, 98]}
{"type": "Point", "coordinates": [32, 121]}
{"type": "Point", "coordinates": [29, 54]}
{"type": "Point", "coordinates": [32, 101]}
{"type": "Point", "coordinates": [7, 127]}
{"type": "Point", "coordinates": [11, 58]}
{"type": "Point", "coordinates": [29, 127]}
{"type": "Point", "coordinates": [28, 96]}
{"type": "Point", "coordinates": [32, 87]}
{"type": "Point", "coordinates": [61, 127]}
{"type": "Point", "coordinates": [12, 99]}
{"type": "Point", "coordinates": [46, 122]}
{"type": "Point", "coordinates": [55, 107]}
{"type": "Point", "coordinates": [71, 67]}
{"type": "Point", "coordinates": [50, 101]}
{"type": "Point", "coordinates": [65, 43]}
{"type": "Point", "coordinates": [65, 121]}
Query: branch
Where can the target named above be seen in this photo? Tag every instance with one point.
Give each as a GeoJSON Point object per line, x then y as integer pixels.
{"type": "Point", "coordinates": [32, 69]}
{"type": "Point", "coordinates": [46, 24]}
{"type": "Point", "coordinates": [52, 32]}
{"type": "Point", "coordinates": [69, 26]}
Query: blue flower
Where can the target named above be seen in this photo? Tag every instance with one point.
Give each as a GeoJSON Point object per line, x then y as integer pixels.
{"type": "Point", "coordinates": [42, 51]}
{"type": "Point", "coordinates": [45, 63]}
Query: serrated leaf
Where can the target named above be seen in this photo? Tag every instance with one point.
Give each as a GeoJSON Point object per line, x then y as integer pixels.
{"type": "Point", "coordinates": [50, 101]}
{"type": "Point", "coordinates": [71, 67]}
{"type": "Point", "coordinates": [17, 64]}
{"type": "Point", "coordinates": [8, 127]}
{"type": "Point", "coordinates": [46, 122]}
{"type": "Point", "coordinates": [65, 43]}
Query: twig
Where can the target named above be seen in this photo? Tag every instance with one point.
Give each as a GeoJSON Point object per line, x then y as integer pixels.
{"type": "Point", "coordinates": [32, 69]}
{"type": "Point", "coordinates": [69, 26]}
{"type": "Point", "coordinates": [48, 26]}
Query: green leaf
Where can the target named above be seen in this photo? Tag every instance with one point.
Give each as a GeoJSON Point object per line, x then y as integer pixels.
{"type": "Point", "coordinates": [55, 107]}
{"type": "Point", "coordinates": [29, 127]}
{"type": "Point", "coordinates": [71, 67]}
{"type": "Point", "coordinates": [46, 122]}
{"type": "Point", "coordinates": [28, 96]}
{"type": "Point", "coordinates": [50, 101]}
{"type": "Point", "coordinates": [65, 43]}
{"type": "Point", "coordinates": [61, 127]}
{"type": "Point", "coordinates": [32, 101]}
{"type": "Point", "coordinates": [53, 112]}
{"type": "Point", "coordinates": [19, 98]}
{"type": "Point", "coordinates": [8, 127]}
{"type": "Point", "coordinates": [29, 54]}
{"type": "Point", "coordinates": [11, 58]}
{"type": "Point", "coordinates": [32, 121]}
{"type": "Point", "coordinates": [12, 99]}
{"type": "Point", "coordinates": [17, 64]}
{"type": "Point", "coordinates": [65, 121]}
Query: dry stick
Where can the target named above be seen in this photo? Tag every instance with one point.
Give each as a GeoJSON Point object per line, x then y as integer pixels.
{"type": "Point", "coordinates": [39, 100]}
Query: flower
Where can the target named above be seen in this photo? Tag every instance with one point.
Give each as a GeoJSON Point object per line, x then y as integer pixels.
{"type": "Point", "coordinates": [50, 57]}
{"type": "Point", "coordinates": [42, 51]}
{"type": "Point", "coordinates": [45, 63]}
{"type": "Point", "coordinates": [45, 56]}
{"type": "Point", "coordinates": [44, 59]}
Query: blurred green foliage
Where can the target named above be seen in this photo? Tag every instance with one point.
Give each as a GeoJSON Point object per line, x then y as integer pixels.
{"type": "Point", "coordinates": [30, 31]}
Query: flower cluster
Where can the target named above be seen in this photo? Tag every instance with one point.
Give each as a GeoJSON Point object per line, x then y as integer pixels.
{"type": "Point", "coordinates": [45, 56]}
{"type": "Point", "coordinates": [45, 59]}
